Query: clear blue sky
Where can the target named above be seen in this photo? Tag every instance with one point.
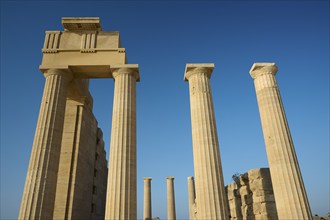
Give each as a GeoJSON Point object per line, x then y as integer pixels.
{"type": "Point", "coordinates": [162, 37]}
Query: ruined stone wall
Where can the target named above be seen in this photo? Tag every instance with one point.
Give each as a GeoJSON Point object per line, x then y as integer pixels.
{"type": "Point", "coordinates": [99, 179]}
{"type": "Point", "coordinates": [251, 196]}
{"type": "Point", "coordinates": [82, 174]}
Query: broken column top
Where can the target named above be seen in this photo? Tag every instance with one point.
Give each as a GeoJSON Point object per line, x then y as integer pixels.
{"type": "Point", "coordinates": [81, 23]}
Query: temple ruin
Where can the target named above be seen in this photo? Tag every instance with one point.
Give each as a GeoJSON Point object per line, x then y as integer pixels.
{"type": "Point", "coordinates": [68, 177]}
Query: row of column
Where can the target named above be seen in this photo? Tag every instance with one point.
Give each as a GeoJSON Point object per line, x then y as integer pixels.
{"type": "Point", "coordinates": [209, 193]}
{"type": "Point", "coordinates": [147, 213]}
{"type": "Point", "coordinates": [207, 198]}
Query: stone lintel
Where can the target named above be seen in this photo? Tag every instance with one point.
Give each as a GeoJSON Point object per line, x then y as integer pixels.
{"type": "Point", "coordinates": [147, 178]}
{"type": "Point", "coordinates": [259, 69]}
{"type": "Point", "coordinates": [62, 70]}
{"type": "Point", "coordinates": [127, 67]}
{"type": "Point", "coordinates": [91, 71]}
{"type": "Point", "coordinates": [83, 71]}
{"type": "Point", "coordinates": [44, 69]}
{"type": "Point", "coordinates": [82, 100]}
{"type": "Point", "coordinates": [170, 177]}
{"type": "Point", "coordinates": [94, 71]}
{"type": "Point", "coordinates": [198, 67]}
{"type": "Point", "coordinates": [81, 23]}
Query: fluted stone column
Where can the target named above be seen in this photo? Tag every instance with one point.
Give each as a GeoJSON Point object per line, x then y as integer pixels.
{"type": "Point", "coordinates": [211, 198]}
{"type": "Point", "coordinates": [147, 213]}
{"type": "Point", "coordinates": [40, 185]}
{"type": "Point", "coordinates": [191, 197]}
{"type": "Point", "coordinates": [171, 215]}
{"type": "Point", "coordinates": [289, 191]}
{"type": "Point", "coordinates": [121, 188]}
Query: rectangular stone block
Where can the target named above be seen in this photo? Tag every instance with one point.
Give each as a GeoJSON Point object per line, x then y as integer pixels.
{"type": "Point", "coordinates": [263, 208]}
{"type": "Point", "coordinates": [263, 198]}
{"type": "Point", "coordinates": [244, 190]}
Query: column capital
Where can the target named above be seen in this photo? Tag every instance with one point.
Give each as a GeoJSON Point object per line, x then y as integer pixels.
{"type": "Point", "coordinates": [170, 178]}
{"type": "Point", "coordinates": [190, 178]}
{"type": "Point", "coordinates": [65, 73]}
{"type": "Point", "coordinates": [132, 69]}
{"type": "Point", "coordinates": [198, 68]}
{"type": "Point", "coordinates": [147, 178]}
{"type": "Point", "coordinates": [259, 69]}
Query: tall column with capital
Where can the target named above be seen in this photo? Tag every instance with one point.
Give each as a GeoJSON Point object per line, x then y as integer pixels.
{"type": "Point", "coordinates": [211, 198]}
{"type": "Point", "coordinates": [147, 213]}
{"type": "Point", "coordinates": [289, 191]}
{"type": "Point", "coordinates": [121, 188]}
{"type": "Point", "coordinates": [40, 185]}
{"type": "Point", "coordinates": [171, 215]}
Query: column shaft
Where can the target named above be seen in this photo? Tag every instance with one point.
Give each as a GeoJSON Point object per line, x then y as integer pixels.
{"type": "Point", "coordinates": [211, 199]}
{"type": "Point", "coordinates": [171, 215]}
{"type": "Point", "coordinates": [289, 191]}
{"type": "Point", "coordinates": [191, 197]}
{"type": "Point", "coordinates": [40, 186]}
{"type": "Point", "coordinates": [121, 189]}
{"type": "Point", "coordinates": [147, 213]}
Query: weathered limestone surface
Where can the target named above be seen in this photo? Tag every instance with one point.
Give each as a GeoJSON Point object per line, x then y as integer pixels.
{"type": "Point", "coordinates": [171, 214]}
{"type": "Point", "coordinates": [121, 190]}
{"type": "Point", "coordinates": [234, 201]}
{"type": "Point", "coordinates": [39, 191]}
{"type": "Point", "coordinates": [289, 190]}
{"type": "Point", "coordinates": [251, 196]}
{"type": "Point", "coordinates": [246, 197]}
{"type": "Point", "coordinates": [82, 174]}
{"type": "Point", "coordinates": [192, 198]}
{"type": "Point", "coordinates": [67, 165]}
{"type": "Point", "coordinates": [147, 212]}
{"type": "Point", "coordinates": [211, 199]}
{"type": "Point", "coordinates": [99, 178]}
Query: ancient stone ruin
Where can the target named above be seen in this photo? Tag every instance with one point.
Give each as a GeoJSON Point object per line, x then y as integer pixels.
{"type": "Point", "coordinates": [68, 178]}
{"type": "Point", "coordinates": [251, 196]}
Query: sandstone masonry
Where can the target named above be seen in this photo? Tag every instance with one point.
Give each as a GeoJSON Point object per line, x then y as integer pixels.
{"type": "Point", "coordinates": [251, 196]}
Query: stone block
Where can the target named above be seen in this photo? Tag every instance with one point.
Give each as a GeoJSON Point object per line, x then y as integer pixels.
{"type": "Point", "coordinates": [243, 179]}
{"type": "Point", "coordinates": [246, 200]}
{"type": "Point", "coordinates": [263, 198]}
{"type": "Point", "coordinates": [262, 192]}
{"type": "Point", "coordinates": [263, 208]}
{"type": "Point", "coordinates": [259, 173]}
{"type": "Point", "coordinates": [244, 190]}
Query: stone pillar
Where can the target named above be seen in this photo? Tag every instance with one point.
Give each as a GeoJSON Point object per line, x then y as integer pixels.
{"type": "Point", "coordinates": [121, 188]}
{"type": "Point", "coordinates": [260, 184]}
{"type": "Point", "coordinates": [147, 213]}
{"type": "Point", "coordinates": [170, 198]}
{"type": "Point", "coordinates": [290, 195]}
{"type": "Point", "coordinates": [234, 201]}
{"type": "Point", "coordinates": [191, 197]}
{"type": "Point", "coordinates": [40, 185]}
{"type": "Point", "coordinates": [211, 198]}
{"type": "Point", "coordinates": [246, 197]}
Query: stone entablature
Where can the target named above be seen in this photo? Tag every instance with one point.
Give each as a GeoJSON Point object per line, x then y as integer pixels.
{"type": "Point", "coordinates": [87, 49]}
